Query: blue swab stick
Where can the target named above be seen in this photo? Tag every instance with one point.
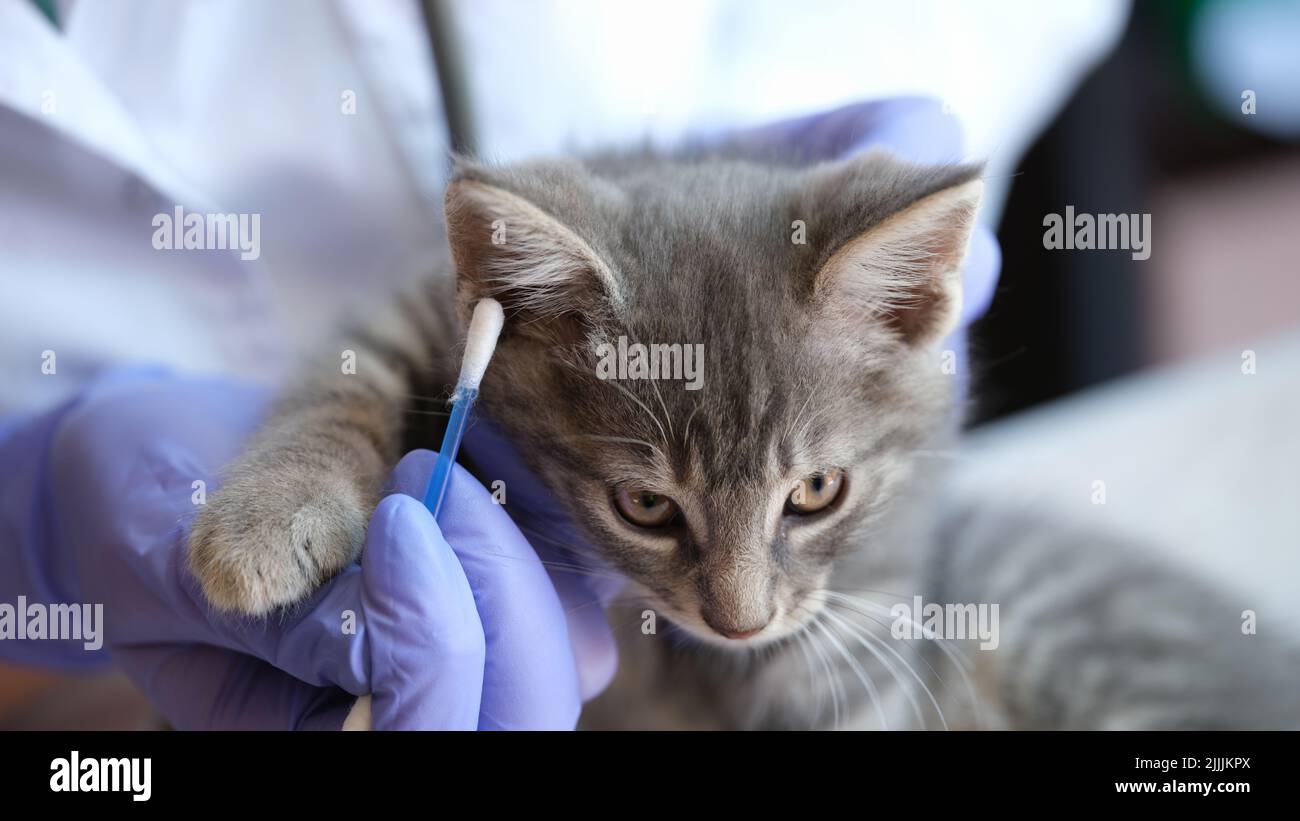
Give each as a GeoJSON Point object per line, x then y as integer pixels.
{"type": "Point", "coordinates": [484, 328]}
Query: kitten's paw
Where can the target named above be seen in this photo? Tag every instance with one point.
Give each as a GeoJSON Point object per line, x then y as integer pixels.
{"type": "Point", "coordinates": [267, 542]}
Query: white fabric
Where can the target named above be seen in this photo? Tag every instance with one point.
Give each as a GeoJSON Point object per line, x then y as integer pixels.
{"type": "Point", "coordinates": [138, 106]}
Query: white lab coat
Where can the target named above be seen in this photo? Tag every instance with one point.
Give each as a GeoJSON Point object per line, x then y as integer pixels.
{"type": "Point", "coordinates": [138, 106]}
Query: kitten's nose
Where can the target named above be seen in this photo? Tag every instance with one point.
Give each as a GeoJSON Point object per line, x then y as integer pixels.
{"type": "Point", "coordinates": [732, 631]}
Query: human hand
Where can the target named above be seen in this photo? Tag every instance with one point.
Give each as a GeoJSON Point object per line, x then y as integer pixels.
{"type": "Point", "coordinates": [443, 637]}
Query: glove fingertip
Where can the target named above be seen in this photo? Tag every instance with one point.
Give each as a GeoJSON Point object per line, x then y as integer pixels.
{"type": "Point", "coordinates": [411, 476]}
{"type": "Point", "coordinates": [403, 530]}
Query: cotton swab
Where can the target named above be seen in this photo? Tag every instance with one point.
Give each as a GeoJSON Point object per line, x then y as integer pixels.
{"type": "Point", "coordinates": [484, 327]}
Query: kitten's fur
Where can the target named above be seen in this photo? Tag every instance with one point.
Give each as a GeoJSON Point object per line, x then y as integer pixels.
{"type": "Point", "coordinates": [818, 355]}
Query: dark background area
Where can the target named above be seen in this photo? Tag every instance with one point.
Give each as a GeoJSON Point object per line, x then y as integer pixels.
{"type": "Point", "coordinates": [1063, 321]}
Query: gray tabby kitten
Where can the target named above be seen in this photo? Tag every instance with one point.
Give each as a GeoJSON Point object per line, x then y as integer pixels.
{"type": "Point", "coordinates": [761, 517]}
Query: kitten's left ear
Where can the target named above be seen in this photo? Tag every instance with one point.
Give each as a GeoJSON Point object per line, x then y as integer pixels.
{"type": "Point", "coordinates": [906, 268]}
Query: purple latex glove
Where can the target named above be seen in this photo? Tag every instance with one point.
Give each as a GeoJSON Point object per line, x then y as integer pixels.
{"type": "Point", "coordinates": [585, 583]}
{"type": "Point", "coordinates": [97, 496]}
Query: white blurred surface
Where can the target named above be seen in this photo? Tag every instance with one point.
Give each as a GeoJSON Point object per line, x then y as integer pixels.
{"type": "Point", "coordinates": [1200, 462]}
{"type": "Point", "coordinates": [659, 69]}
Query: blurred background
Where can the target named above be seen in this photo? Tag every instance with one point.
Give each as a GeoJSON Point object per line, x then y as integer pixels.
{"type": "Point", "coordinates": [1157, 128]}
{"type": "Point", "coordinates": [1089, 366]}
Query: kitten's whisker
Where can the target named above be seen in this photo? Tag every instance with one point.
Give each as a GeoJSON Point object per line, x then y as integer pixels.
{"type": "Point", "coordinates": [564, 552]}
{"type": "Point", "coordinates": [876, 590]}
{"type": "Point", "coordinates": [654, 385]}
{"type": "Point", "coordinates": [803, 641]}
{"type": "Point", "coordinates": [863, 637]}
{"type": "Point", "coordinates": [570, 549]}
{"type": "Point", "coordinates": [668, 417]}
{"type": "Point", "coordinates": [578, 570]}
{"type": "Point", "coordinates": [620, 600]}
{"type": "Point", "coordinates": [573, 549]}
{"type": "Point", "coordinates": [954, 654]}
{"type": "Point", "coordinates": [423, 398]}
{"type": "Point", "coordinates": [797, 417]}
{"type": "Point", "coordinates": [663, 436]}
{"type": "Point", "coordinates": [885, 627]}
{"type": "Point", "coordinates": [831, 679]}
{"type": "Point", "coordinates": [627, 440]}
{"type": "Point", "coordinates": [686, 434]}
{"type": "Point", "coordinates": [569, 567]}
{"type": "Point", "coordinates": [812, 420]}
{"type": "Point", "coordinates": [862, 674]}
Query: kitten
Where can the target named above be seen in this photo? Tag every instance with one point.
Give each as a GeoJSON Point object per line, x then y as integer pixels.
{"type": "Point", "coordinates": [818, 356]}
{"type": "Point", "coordinates": [742, 513]}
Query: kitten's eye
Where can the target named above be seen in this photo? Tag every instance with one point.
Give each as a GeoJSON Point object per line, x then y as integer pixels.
{"type": "Point", "coordinates": [816, 492]}
{"type": "Point", "coordinates": [644, 508]}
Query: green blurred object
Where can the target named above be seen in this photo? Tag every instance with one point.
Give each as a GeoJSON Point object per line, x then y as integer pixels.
{"type": "Point", "coordinates": [47, 8]}
{"type": "Point", "coordinates": [1175, 20]}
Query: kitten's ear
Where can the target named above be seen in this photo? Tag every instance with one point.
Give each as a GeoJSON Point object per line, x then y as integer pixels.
{"type": "Point", "coordinates": [905, 268]}
{"type": "Point", "coordinates": [506, 247]}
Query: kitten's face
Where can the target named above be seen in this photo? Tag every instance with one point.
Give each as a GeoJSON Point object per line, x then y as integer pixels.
{"type": "Point", "coordinates": [728, 494]}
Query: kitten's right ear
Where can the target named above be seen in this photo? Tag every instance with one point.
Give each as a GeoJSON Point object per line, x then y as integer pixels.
{"type": "Point", "coordinates": [506, 247]}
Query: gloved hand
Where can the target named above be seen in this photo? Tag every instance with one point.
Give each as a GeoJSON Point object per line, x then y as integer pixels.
{"type": "Point", "coordinates": [584, 580]}
{"type": "Point", "coordinates": [97, 497]}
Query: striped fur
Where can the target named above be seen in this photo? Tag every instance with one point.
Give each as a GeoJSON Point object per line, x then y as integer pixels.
{"type": "Point", "coordinates": [818, 355]}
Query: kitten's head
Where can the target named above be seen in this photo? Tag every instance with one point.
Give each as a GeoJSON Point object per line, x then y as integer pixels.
{"type": "Point", "coordinates": [816, 299]}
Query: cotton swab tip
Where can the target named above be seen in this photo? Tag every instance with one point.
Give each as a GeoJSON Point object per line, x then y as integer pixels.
{"type": "Point", "coordinates": [481, 340]}
{"type": "Point", "coordinates": [484, 327]}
